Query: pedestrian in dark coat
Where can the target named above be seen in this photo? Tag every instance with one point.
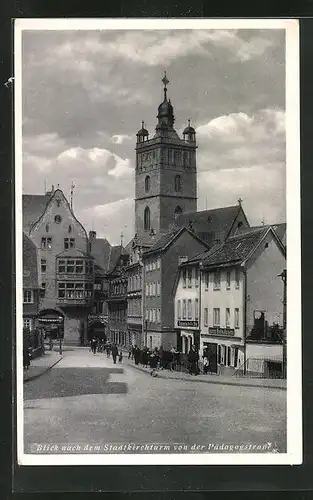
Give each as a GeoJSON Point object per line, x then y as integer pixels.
{"type": "Point", "coordinates": [114, 353]}
{"type": "Point", "coordinates": [26, 358]}
{"type": "Point", "coordinates": [120, 357]}
{"type": "Point", "coordinates": [94, 345]}
{"type": "Point", "coordinates": [137, 355]}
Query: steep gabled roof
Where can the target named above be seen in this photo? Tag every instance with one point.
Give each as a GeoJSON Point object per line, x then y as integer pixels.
{"type": "Point", "coordinates": [168, 238]}
{"type": "Point", "coordinates": [236, 249]}
{"type": "Point", "coordinates": [30, 263]}
{"type": "Point", "coordinates": [211, 225]}
{"type": "Point", "coordinates": [115, 254]}
{"type": "Point", "coordinates": [280, 230]}
{"type": "Point", "coordinates": [33, 207]}
{"type": "Point", "coordinates": [100, 250]}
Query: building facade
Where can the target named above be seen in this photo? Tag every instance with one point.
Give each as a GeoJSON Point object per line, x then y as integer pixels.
{"type": "Point", "coordinates": [187, 305]}
{"type": "Point", "coordinates": [242, 303]}
{"type": "Point", "coordinates": [66, 267]}
{"type": "Point", "coordinates": [117, 300]}
{"type": "Point", "coordinates": [31, 286]}
{"type": "Point", "coordinates": [160, 270]}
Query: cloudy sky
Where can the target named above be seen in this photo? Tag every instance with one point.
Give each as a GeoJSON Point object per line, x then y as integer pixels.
{"type": "Point", "coordinates": [85, 94]}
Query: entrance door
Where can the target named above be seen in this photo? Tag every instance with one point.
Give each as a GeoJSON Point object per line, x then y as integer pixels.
{"type": "Point", "coordinates": [212, 349]}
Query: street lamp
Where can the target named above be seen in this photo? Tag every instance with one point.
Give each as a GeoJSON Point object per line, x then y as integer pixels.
{"type": "Point", "coordinates": [283, 276]}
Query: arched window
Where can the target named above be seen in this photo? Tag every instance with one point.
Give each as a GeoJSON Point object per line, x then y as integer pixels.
{"type": "Point", "coordinates": [177, 183]}
{"type": "Point", "coordinates": [147, 183]}
{"type": "Point", "coordinates": [147, 219]}
{"type": "Point", "coordinates": [177, 211]}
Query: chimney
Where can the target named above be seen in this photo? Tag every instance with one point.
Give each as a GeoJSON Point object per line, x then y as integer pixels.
{"type": "Point", "coordinates": [92, 235]}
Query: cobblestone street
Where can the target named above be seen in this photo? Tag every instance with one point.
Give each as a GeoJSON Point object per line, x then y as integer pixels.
{"type": "Point", "coordinates": [86, 399]}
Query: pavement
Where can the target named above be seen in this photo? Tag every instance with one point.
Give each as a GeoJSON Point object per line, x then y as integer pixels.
{"type": "Point", "coordinates": [213, 378]}
{"type": "Point", "coordinates": [41, 365]}
{"type": "Point", "coordinates": [86, 400]}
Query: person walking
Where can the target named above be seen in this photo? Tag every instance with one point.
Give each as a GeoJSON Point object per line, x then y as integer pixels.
{"type": "Point", "coordinates": [114, 353]}
{"type": "Point", "coordinates": [130, 351]}
{"type": "Point", "coordinates": [94, 345]}
{"type": "Point", "coordinates": [108, 350]}
{"type": "Point", "coordinates": [120, 357]}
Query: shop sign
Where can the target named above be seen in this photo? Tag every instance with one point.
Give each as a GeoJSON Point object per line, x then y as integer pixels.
{"type": "Point", "coordinates": [192, 324]}
{"type": "Point", "coordinates": [227, 332]}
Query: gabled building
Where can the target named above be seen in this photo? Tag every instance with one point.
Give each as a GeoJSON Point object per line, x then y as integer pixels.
{"type": "Point", "coordinates": [66, 265]}
{"type": "Point", "coordinates": [242, 302]}
{"type": "Point", "coordinates": [160, 265]}
{"type": "Point", "coordinates": [31, 286]}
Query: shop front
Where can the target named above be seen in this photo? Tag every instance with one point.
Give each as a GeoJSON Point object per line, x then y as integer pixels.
{"type": "Point", "coordinates": [52, 323]}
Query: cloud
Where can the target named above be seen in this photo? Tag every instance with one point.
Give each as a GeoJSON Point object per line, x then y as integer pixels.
{"type": "Point", "coordinates": [119, 211]}
{"type": "Point", "coordinates": [121, 138]}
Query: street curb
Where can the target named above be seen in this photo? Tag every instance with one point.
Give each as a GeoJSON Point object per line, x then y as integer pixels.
{"type": "Point", "coordinates": [44, 371]}
{"type": "Point", "coordinates": [208, 381]}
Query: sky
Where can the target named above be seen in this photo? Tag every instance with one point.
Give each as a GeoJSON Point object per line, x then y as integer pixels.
{"type": "Point", "coordinates": [85, 94]}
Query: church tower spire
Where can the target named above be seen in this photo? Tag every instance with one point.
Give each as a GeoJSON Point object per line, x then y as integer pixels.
{"type": "Point", "coordinates": [165, 110]}
{"type": "Point", "coordinates": [166, 173]}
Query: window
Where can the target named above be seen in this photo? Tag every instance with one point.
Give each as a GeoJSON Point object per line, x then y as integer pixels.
{"type": "Point", "coordinates": [27, 323]}
{"type": "Point", "coordinates": [196, 276]}
{"type": "Point", "coordinates": [217, 280]}
{"type": "Point", "coordinates": [79, 266]}
{"type": "Point", "coordinates": [159, 289]}
{"type": "Point", "coordinates": [189, 270]}
{"type": "Point", "coordinates": [61, 266]}
{"type": "Point", "coordinates": [43, 265]}
{"type": "Point", "coordinates": [28, 297]}
{"type": "Point", "coordinates": [70, 266]}
{"type": "Point", "coordinates": [43, 289]}
{"type": "Point", "coordinates": [184, 309]}
{"type": "Point", "coordinates": [46, 243]}
{"type": "Point", "coordinates": [70, 228]}
{"type": "Point", "coordinates": [206, 280]}
{"type": "Point", "coordinates": [228, 356]}
{"type": "Point", "coordinates": [154, 265]}
{"type": "Point", "coordinates": [158, 315]}
{"type": "Point", "coordinates": [223, 354]}
{"type": "Point", "coordinates": [147, 290]}
{"type": "Point", "coordinates": [158, 263]}
{"type": "Point", "coordinates": [147, 314]}
{"type": "Point", "coordinates": [236, 318]}
{"type": "Point", "coordinates": [206, 316]}
{"type": "Point", "coordinates": [228, 278]}
{"type": "Point", "coordinates": [219, 354]}
{"type": "Point", "coordinates": [196, 309]}
{"type": "Point", "coordinates": [178, 309]}
{"type": "Point", "coordinates": [153, 315]}
{"type": "Point", "coordinates": [189, 309]}
{"type": "Point", "coordinates": [227, 318]}
{"type": "Point", "coordinates": [237, 278]}
{"type": "Point", "coordinates": [147, 219]}
{"type": "Point", "coordinates": [147, 183]}
{"type": "Point", "coordinates": [184, 277]}
{"type": "Point", "coordinates": [58, 219]}
{"type": "Point", "coordinates": [216, 316]}
{"type": "Point", "coordinates": [177, 183]}
{"type": "Point", "coordinates": [70, 290]}
{"type": "Point", "coordinates": [69, 243]}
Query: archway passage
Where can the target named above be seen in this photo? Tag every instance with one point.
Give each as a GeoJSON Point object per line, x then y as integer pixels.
{"type": "Point", "coordinates": [178, 210]}
{"type": "Point", "coordinates": [97, 329]}
{"type": "Point", "coordinates": [52, 322]}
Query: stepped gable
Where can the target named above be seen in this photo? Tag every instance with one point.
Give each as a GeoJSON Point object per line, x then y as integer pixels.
{"type": "Point", "coordinates": [33, 207]}
{"type": "Point", "coordinates": [210, 225]}
{"type": "Point", "coordinates": [234, 250]}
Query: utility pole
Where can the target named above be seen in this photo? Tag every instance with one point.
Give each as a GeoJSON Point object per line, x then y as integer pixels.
{"type": "Point", "coordinates": [283, 276]}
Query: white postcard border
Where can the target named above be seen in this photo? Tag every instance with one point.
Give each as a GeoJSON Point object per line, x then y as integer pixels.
{"type": "Point", "coordinates": [294, 355]}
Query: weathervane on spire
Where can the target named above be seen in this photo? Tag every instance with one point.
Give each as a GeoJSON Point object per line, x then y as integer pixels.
{"type": "Point", "coordinates": [72, 192]}
{"type": "Point", "coordinates": [165, 81]}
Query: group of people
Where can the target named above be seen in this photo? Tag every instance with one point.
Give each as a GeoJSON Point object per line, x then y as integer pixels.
{"type": "Point", "coordinates": [100, 345]}
{"type": "Point", "coordinates": [158, 358]}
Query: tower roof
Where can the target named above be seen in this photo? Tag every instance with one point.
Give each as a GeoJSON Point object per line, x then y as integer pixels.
{"type": "Point", "coordinates": [165, 110]}
{"type": "Point", "coordinates": [143, 130]}
{"type": "Point", "coordinates": [189, 129]}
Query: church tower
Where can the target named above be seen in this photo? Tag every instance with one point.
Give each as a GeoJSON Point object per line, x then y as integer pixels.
{"type": "Point", "coordinates": [166, 174]}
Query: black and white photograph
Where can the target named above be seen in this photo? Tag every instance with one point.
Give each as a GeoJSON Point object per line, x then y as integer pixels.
{"type": "Point", "coordinates": [157, 169]}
